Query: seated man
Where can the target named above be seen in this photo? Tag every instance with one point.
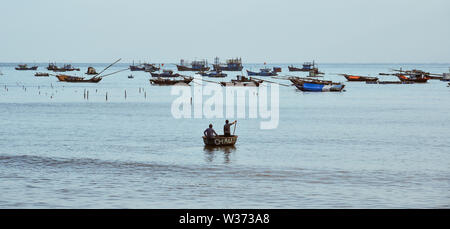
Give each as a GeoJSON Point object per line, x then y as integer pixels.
{"type": "Point", "coordinates": [210, 133]}
{"type": "Point", "coordinates": [226, 128]}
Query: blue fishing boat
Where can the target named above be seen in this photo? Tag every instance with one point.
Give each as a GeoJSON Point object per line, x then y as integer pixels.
{"type": "Point", "coordinates": [315, 85]}
{"type": "Point", "coordinates": [263, 72]}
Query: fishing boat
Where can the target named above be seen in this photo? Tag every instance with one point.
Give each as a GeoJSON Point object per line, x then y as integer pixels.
{"type": "Point", "coordinates": [359, 78]}
{"type": "Point", "coordinates": [263, 72]}
{"type": "Point", "coordinates": [76, 79]}
{"type": "Point", "coordinates": [215, 74]}
{"type": "Point", "coordinates": [389, 82]}
{"type": "Point", "coordinates": [91, 71]}
{"type": "Point", "coordinates": [165, 73]}
{"type": "Point", "coordinates": [276, 69]}
{"type": "Point", "coordinates": [22, 67]}
{"type": "Point", "coordinates": [145, 67]}
{"type": "Point", "coordinates": [415, 76]}
{"type": "Point", "coordinates": [415, 79]}
{"type": "Point", "coordinates": [198, 65]}
{"type": "Point", "coordinates": [242, 81]}
{"type": "Point", "coordinates": [40, 74]}
{"type": "Point", "coordinates": [220, 140]}
{"type": "Point", "coordinates": [230, 65]}
{"type": "Point", "coordinates": [445, 77]}
{"type": "Point", "coordinates": [315, 85]}
{"type": "Point", "coordinates": [65, 68]}
{"type": "Point", "coordinates": [168, 82]}
{"type": "Point", "coordinates": [307, 67]}
{"type": "Point", "coordinates": [130, 77]}
{"type": "Point", "coordinates": [95, 79]}
{"type": "Point", "coordinates": [139, 67]}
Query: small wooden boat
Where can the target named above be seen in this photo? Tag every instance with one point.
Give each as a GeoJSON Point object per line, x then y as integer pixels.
{"type": "Point", "coordinates": [168, 82]}
{"type": "Point", "coordinates": [65, 68]}
{"type": "Point", "coordinates": [263, 72]}
{"type": "Point", "coordinates": [165, 73]}
{"type": "Point", "coordinates": [91, 71]}
{"type": "Point", "coordinates": [414, 79]}
{"type": "Point", "coordinates": [307, 67]}
{"type": "Point", "coordinates": [76, 79]}
{"type": "Point", "coordinates": [276, 69]}
{"type": "Point", "coordinates": [220, 140]}
{"type": "Point", "coordinates": [359, 78]}
{"type": "Point", "coordinates": [130, 77]}
{"type": "Point", "coordinates": [95, 79]}
{"type": "Point", "coordinates": [230, 65]}
{"type": "Point", "coordinates": [40, 74]}
{"type": "Point", "coordinates": [24, 67]}
{"type": "Point", "coordinates": [242, 81]}
{"type": "Point", "coordinates": [315, 85]}
{"type": "Point", "coordinates": [215, 74]}
{"type": "Point", "coordinates": [194, 66]}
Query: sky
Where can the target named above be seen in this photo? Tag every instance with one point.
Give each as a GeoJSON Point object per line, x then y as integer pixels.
{"type": "Point", "coordinates": [277, 31]}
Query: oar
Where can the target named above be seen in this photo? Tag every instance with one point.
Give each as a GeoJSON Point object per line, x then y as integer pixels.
{"type": "Point", "coordinates": [234, 128]}
{"type": "Point", "coordinates": [107, 67]}
{"type": "Point", "coordinates": [113, 72]}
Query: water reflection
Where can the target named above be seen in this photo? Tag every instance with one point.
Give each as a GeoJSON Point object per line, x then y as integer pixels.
{"type": "Point", "coordinates": [210, 152]}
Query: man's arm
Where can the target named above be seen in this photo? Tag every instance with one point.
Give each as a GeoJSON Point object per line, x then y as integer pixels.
{"type": "Point", "coordinates": [204, 132]}
{"type": "Point", "coordinates": [215, 132]}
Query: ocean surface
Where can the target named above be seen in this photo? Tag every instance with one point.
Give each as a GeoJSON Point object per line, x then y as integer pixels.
{"type": "Point", "coordinates": [372, 146]}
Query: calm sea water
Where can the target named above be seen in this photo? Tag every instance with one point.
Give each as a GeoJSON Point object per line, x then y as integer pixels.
{"type": "Point", "coordinates": [372, 146]}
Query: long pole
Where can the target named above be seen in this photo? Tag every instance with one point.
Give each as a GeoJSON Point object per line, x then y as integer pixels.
{"type": "Point", "coordinates": [235, 127]}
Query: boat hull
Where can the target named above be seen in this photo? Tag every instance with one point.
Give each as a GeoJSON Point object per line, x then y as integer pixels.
{"type": "Point", "coordinates": [320, 87]}
{"type": "Point", "coordinates": [27, 69]}
{"type": "Point", "coordinates": [250, 73]}
{"type": "Point", "coordinates": [185, 68]}
{"type": "Point", "coordinates": [168, 82]}
{"type": "Point", "coordinates": [228, 68]}
{"type": "Point", "coordinates": [72, 79]}
{"type": "Point", "coordinates": [220, 140]}
{"type": "Point", "coordinates": [360, 78]}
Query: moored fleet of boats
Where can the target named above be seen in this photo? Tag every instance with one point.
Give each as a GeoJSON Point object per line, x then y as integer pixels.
{"type": "Point", "coordinates": [311, 83]}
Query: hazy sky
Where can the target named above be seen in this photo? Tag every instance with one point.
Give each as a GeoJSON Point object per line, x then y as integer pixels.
{"type": "Point", "coordinates": [258, 31]}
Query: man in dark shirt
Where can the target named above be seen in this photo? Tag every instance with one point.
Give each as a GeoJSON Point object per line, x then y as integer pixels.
{"type": "Point", "coordinates": [210, 133]}
{"type": "Point", "coordinates": [226, 128]}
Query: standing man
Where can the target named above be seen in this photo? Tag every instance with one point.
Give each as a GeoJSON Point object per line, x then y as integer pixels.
{"type": "Point", "coordinates": [226, 128]}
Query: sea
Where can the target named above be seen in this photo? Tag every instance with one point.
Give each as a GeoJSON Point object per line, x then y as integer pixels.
{"type": "Point", "coordinates": [117, 144]}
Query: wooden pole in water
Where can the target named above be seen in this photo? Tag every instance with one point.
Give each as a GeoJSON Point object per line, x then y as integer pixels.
{"type": "Point", "coordinates": [125, 94]}
{"type": "Point", "coordinates": [106, 96]}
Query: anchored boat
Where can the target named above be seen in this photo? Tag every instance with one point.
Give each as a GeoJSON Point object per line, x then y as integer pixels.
{"type": "Point", "coordinates": [199, 65]}
{"type": "Point", "coordinates": [22, 67]}
{"type": "Point", "coordinates": [168, 82]}
{"type": "Point", "coordinates": [263, 72]}
{"type": "Point", "coordinates": [65, 68]}
{"type": "Point", "coordinates": [40, 74]}
{"type": "Point", "coordinates": [91, 71]}
{"type": "Point", "coordinates": [242, 81]}
{"type": "Point", "coordinates": [230, 65]}
{"type": "Point", "coordinates": [215, 73]}
{"type": "Point", "coordinates": [307, 67]}
{"type": "Point", "coordinates": [315, 85]}
{"type": "Point", "coordinates": [220, 140]}
{"type": "Point", "coordinates": [94, 79]}
{"type": "Point", "coordinates": [359, 78]}
{"type": "Point", "coordinates": [165, 73]}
